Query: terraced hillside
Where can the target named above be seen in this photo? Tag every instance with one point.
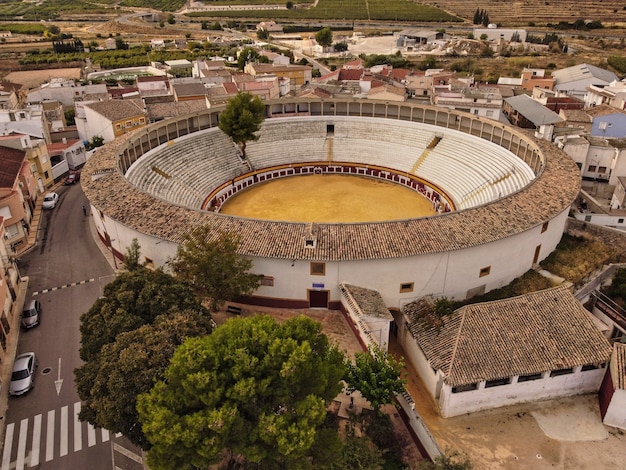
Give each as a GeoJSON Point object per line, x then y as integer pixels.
{"type": "Point", "coordinates": [539, 11]}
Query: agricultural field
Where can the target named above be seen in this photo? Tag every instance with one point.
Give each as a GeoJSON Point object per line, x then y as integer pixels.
{"type": "Point", "coordinates": [50, 9]}
{"type": "Point", "coordinates": [383, 10]}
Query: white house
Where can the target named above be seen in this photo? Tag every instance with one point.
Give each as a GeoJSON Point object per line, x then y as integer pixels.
{"type": "Point", "coordinates": [613, 94]}
{"type": "Point", "coordinates": [109, 119]}
{"type": "Point", "coordinates": [537, 346]}
{"type": "Point", "coordinates": [71, 151]}
{"type": "Point", "coordinates": [64, 90]}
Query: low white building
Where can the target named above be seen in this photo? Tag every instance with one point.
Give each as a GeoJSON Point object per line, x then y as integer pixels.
{"type": "Point", "coordinates": [538, 346]}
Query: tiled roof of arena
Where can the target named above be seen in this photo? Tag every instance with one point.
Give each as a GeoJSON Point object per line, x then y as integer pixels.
{"type": "Point", "coordinates": [548, 195]}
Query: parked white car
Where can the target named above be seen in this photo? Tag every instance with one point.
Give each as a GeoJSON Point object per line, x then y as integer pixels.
{"type": "Point", "coordinates": [23, 376]}
{"type": "Point", "coordinates": [50, 200]}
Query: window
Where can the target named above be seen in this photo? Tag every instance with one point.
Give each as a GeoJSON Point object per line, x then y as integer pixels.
{"type": "Point", "coordinates": [485, 271]}
{"type": "Point", "coordinates": [592, 168]}
{"type": "Point", "coordinates": [544, 227]}
{"type": "Point", "coordinates": [602, 169]}
{"type": "Point", "coordinates": [330, 129]}
{"type": "Point", "coordinates": [587, 218]}
{"type": "Point", "coordinates": [464, 388]}
{"type": "Point", "coordinates": [593, 366]}
{"type": "Point", "coordinates": [128, 123]}
{"type": "Point", "coordinates": [556, 373]}
{"type": "Point", "coordinates": [46, 175]}
{"type": "Point", "coordinates": [118, 126]}
{"type": "Point", "coordinates": [527, 378]}
{"type": "Point", "coordinates": [497, 382]}
{"type": "Point", "coordinates": [620, 221]}
{"type": "Point", "coordinates": [407, 287]}
{"type": "Point", "coordinates": [318, 269]}
{"type": "Point", "coordinates": [267, 281]}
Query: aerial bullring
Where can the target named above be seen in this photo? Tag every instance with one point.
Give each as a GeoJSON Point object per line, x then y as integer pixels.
{"type": "Point", "coordinates": [501, 197]}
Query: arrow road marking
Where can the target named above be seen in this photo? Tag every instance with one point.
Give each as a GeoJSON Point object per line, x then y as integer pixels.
{"type": "Point", "coordinates": [58, 383]}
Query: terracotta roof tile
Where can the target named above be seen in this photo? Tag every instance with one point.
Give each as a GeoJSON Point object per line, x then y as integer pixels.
{"type": "Point", "coordinates": [548, 195]}
{"type": "Point", "coordinates": [11, 161]}
{"type": "Point", "coordinates": [534, 333]}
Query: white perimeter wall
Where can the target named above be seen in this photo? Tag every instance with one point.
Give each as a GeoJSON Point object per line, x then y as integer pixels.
{"type": "Point", "coordinates": [577, 383]}
{"type": "Point", "coordinates": [616, 412]}
{"type": "Point", "coordinates": [451, 274]}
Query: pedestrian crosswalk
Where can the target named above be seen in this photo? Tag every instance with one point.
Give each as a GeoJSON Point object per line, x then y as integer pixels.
{"type": "Point", "coordinates": [44, 437]}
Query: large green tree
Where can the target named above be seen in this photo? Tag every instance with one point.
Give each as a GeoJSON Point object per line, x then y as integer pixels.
{"type": "Point", "coordinates": [109, 385]}
{"type": "Point", "coordinates": [208, 261]}
{"type": "Point", "coordinates": [128, 337]}
{"type": "Point", "coordinates": [242, 118]}
{"type": "Point", "coordinates": [324, 37]}
{"type": "Point", "coordinates": [132, 300]}
{"type": "Point", "coordinates": [255, 389]}
{"type": "Point", "coordinates": [377, 375]}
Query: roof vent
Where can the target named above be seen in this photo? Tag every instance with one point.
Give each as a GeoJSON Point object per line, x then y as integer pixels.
{"type": "Point", "coordinates": [310, 240]}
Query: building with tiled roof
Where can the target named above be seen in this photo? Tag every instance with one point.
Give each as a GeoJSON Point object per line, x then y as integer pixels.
{"type": "Point", "coordinates": [537, 346]}
{"type": "Point", "coordinates": [109, 119]}
{"type": "Point", "coordinates": [18, 194]}
{"type": "Point", "coordinates": [187, 91]}
{"type": "Point", "coordinates": [508, 223]}
{"type": "Point", "coordinates": [9, 287]}
{"type": "Point", "coordinates": [613, 390]}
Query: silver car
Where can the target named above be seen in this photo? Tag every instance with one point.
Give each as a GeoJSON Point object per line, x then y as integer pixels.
{"type": "Point", "coordinates": [31, 314]}
{"type": "Point", "coordinates": [23, 376]}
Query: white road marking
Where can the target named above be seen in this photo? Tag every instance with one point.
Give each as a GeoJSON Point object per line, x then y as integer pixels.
{"type": "Point", "coordinates": [50, 436]}
{"type": "Point", "coordinates": [34, 453]}
{"type": "Point", "coordinates": [8, 445]}
{"type": "Point", "coordinates": [78, 434]}
{"type": "Point", "coordinates": [63, 435]}
{"type": "Point", "coordinates": [21, 445]}
{"type": "Point", "coordinates": [91, 435]}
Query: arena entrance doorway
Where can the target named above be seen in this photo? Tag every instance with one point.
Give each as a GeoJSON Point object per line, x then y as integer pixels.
{"type": "Point", "coordinates": [318, 299]}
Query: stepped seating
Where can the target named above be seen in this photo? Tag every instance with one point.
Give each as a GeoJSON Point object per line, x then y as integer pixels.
{"type": "Point", "coordinates": [188, 169]}
{"type": "Point", "coordinates": [471, 171]}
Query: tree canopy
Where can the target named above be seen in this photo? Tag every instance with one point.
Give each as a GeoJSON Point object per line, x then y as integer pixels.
{"type": "Point", "coordinates": [128, 337]}
{"type": "Point", "coordinates": [208, 261]}
{"type": "Point", "coordinates": [242, 117]}
{"type": "Point", "coordinates": [254, 388]}
{"type": "Point", "coordinates": [324, 37]}
{"type": "Point", "coordinates": [377, 375]}
{"type": "Point", "coordinates": [110, 384]}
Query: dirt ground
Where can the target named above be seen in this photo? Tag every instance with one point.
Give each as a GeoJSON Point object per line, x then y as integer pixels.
{"type": "Point", "coordinates": [34, 78]}
{"type": "Point", "coordinates": [562, 434]}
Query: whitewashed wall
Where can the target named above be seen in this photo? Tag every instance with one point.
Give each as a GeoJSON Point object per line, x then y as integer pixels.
{"type": "Point", "coordinates": [616, 412]}
{"type": "Point", "coordinates": [577, 383]}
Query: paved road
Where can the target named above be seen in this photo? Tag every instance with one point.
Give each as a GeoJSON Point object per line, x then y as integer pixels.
{"type": "Point", "coordinates": [67, 273]}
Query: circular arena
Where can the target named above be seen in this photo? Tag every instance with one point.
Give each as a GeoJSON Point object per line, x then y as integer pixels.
{"type": "Point", "coordinates": [500, 195]}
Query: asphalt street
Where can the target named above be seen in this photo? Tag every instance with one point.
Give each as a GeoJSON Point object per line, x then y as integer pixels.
{"type": "Point", "coordinates": [67, 273]}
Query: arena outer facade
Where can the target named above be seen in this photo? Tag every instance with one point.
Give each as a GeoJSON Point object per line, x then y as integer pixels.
{"type": "Point", "coordinates": [455, 254]}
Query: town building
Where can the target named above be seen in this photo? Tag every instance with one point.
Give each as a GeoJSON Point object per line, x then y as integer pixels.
{"type": "Point", "coordinates": [575, 80]}
{"type": "Point", "coordinates": [537, 346]}
{"type": "Point", "coordinates": [109, 119]}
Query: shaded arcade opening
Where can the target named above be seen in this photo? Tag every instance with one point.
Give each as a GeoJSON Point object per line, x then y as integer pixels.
{"type": "Point", "coordinates": [328, 199]}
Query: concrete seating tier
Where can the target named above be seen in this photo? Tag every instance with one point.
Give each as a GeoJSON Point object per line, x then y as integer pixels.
{"type": "Point", "coordinates": [188, 169]}
{"type": "Point", "coordinates": [470, 170]}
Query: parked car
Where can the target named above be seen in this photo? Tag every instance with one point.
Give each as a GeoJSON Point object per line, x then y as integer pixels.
{"type": "Point", "coordinates": [31, 314]}
{"type": "Point", "coordinates": [72, 178]}
{"type": "Point", "coordinates": [23, 376]}
{"type": "Point", "coordinates": [50, 200]}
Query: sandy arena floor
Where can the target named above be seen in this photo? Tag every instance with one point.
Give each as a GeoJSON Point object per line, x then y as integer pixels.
{"type": "Point", "coordinates": [328, 198]}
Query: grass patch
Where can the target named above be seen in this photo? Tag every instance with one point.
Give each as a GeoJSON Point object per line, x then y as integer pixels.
{"type": "Point", "coordinates": [577, 257]}
{"type": "Point", "coordinates": [530, 281]}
